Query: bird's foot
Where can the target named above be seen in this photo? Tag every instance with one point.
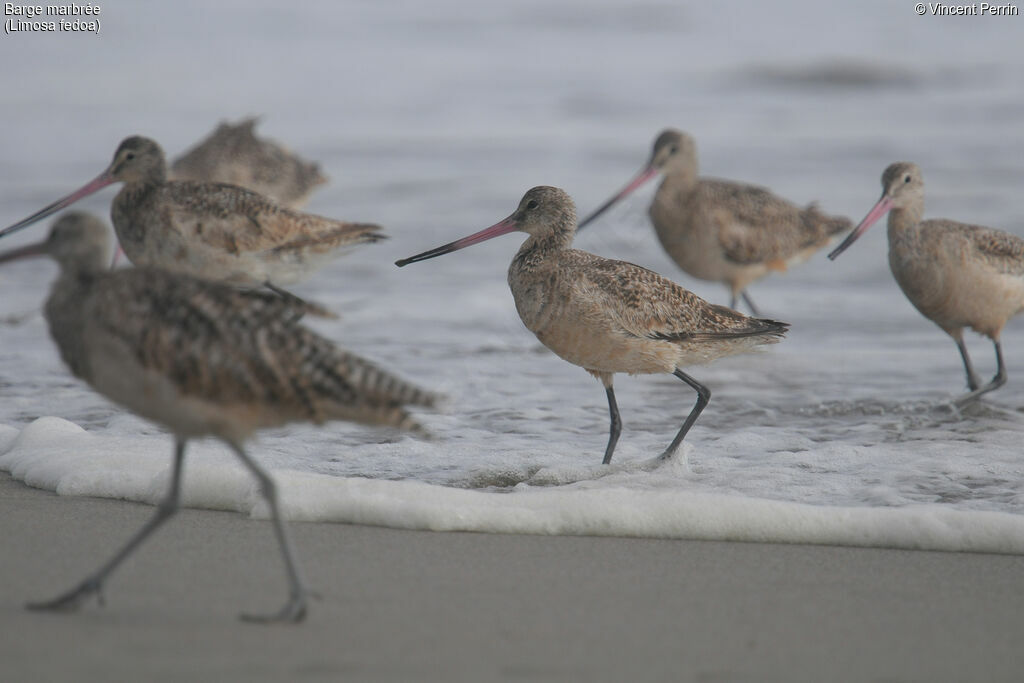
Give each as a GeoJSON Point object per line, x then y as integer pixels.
{"type": "Point", "coordinates": [972, 396]}
{"type": "Point", "coordinates": [966, 399]}
{"type": "Point", "coordinates": [672, 454]}
{"type": "Point", "coordinates": [73, 599]}
{"type": "Point", "coordinates": [293, 611]}
{"type": "Point", "coordinates": [673, 459]}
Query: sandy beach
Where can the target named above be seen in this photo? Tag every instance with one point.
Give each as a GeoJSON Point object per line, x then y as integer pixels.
{"type": "Point", "coordinates": [400, 605]}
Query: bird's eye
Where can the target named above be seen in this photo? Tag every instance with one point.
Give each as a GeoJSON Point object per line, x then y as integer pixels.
{"type": "Point", "coordinates": [532, 204]}
{"type": "Point", "coordinates": [673, 149]}
{"type": "Point", "coordinates": [129, 156]}
{"type": "Point", "coordinates": [906, 179]}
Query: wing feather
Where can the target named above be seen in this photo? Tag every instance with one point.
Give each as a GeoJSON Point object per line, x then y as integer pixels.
{"type": "Point", "coordinates": [646, 304]}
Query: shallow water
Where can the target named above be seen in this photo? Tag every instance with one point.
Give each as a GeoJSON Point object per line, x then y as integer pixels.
{"type": "Point", "coordinates": [433, 120]}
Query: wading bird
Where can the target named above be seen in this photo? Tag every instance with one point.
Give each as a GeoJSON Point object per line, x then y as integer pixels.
{"type": "Point", "coordinates": [956, 275]}
{"type": "Point", "coordinates": [611, 316]}
{"type": "Point", "coordinates": [720, 230]}
{"type": "Point", "coordinates": [210, 230]}
{"type": "Point", "coordinates": [202, 359]}
{"type": "Point", "coordinates": [234, 154]}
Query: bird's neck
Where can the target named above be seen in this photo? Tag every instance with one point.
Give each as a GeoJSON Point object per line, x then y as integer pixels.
{"type": "Point", "coordinates": [72, 281]}
{"type": "Point", "coordinates": [534, 262]}
{"type": "Point", "coordinates": [132, 202]}
{"type": "Point", "coordinates": [679, 180]}
{"type": "Point", "coordinates": [903, 222]}
{"type": "Point", "coordinates": [156, 175]}
{"type": "Point", "coordinates": [537, 248]}
{"type": "Point", "coordinates": [147, 184]}
{"type": "Point", "coordinates": [135, 190]}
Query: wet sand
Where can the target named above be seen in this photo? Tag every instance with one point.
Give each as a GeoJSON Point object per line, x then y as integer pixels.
{"type": "Point", "coordinates": [401, 605]}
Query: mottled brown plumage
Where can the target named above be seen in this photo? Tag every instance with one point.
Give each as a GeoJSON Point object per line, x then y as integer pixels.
{"type": "Point", "coordinates": [202, 359]}
{"type": "Point", "coordinates": [241, 357]}
{"type": "Point", "coordinates": [957, 275]}
{"type": "Point", "coordinates": [234, 154]}
{"type": "Point", "coordinates": [210, 230]}
{"type": "Point", "coordinates": [611, 316]}
{"type": "Point", "coordinates": [724, 231]}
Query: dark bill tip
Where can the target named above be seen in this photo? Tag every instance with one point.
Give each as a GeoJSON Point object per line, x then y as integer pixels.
{"type": "Point", "coordinates": [504, 227]}
{"type": "Point", "coordinates": [639, 180]}
{"type": "Point", "coordinates": [438, 251]}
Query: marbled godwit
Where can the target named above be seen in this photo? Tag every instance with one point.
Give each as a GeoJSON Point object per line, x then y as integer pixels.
{"type": "Point", "coordinates": [234, 154]}
{"type": "Point", "coordinates": [720, 230]}
{"type": "Point", "coordinates": [202, 359]}
{"type": "Point", "coordinates": [956, 275]}
{"type": "Point", "coordinates": [611, 316]}
{"type": "Point", "coordinates": [210, 230]}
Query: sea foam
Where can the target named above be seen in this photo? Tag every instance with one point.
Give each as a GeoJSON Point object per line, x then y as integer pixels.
{"type": "Point", "coordinates": [57, 455]}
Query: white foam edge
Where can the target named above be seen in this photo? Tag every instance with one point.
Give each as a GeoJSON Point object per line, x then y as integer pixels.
{"type": "Point", "coordinates": [57, 455]}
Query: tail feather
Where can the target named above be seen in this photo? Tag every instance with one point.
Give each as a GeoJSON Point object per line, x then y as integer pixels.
{"type": "Point", "coordinates": [343, 235]}
{"type": "Point", "coordinates": [359, 233]}
{"type": "Point", "coordinates": [332, 383]}
{"type": "Point", "coordinates": [312, 175]}
{"type": "Point", "coordinates": [406, 422]}
{"type": "Point", "coordinates": [723, 323]}
{"type": "Point", "coordinates": [387, 416]}
{"type": "Point", "coordinates": [819, 225]}
{"type": "Point", "coordinates": [771, 330]}
{"type": "Point", "coordinates": [361, 391]}
{"type": "Point", "coordinates": [839, 224]}
{"type": "Point", "coordinates": [385, 385]}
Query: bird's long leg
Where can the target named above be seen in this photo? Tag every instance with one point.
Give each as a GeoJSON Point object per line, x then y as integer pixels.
{"type": "Point", "coordinates": [750, 303]}
{"type": "Point", "coordinates": [703, 397]}
{"type": "Point", "coordinates": [93, 584]}
{"type": "Point", "coordinates": [295, 609]}
{"type": "Point", "coordinates": [972, 378]}
{"type": "Point", "coordinates": [1000, 377]}
{"type": "Point", "coordinates": [616, 426]}
{"type": "Point", "coordinates": [997, 381]}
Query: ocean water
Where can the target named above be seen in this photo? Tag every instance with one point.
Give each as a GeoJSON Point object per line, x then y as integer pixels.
{"type": "Point", "coordinates": [433, 119]}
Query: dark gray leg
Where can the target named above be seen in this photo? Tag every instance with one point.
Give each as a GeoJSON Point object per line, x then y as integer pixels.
{"type": "Point", "coordinates": [972, 378]}
{"type": "Point", "coordinates": [616, 427]}
{"type": "Point", "coordinates": [1000, 378]}
{"type": "Point", "coordinates": [997, 381]}
{"type": "Point", "coordinates": [295, 609]}
{"type": "Point", "coordinates": [703, 397]}
{"type": "Point", "coordinates": [93, 584]}
{"type": "Point", "coordinates": [750, 303]}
